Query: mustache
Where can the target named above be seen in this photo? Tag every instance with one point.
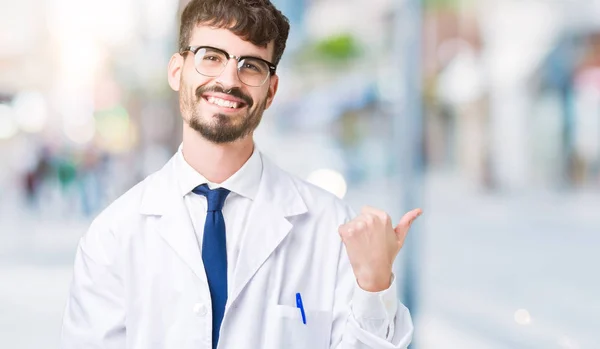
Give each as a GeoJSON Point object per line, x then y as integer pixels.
{"type": "Point", "coordinates": [234, 92]}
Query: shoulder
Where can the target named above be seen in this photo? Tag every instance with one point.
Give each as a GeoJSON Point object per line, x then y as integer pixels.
{"type": "Point", "coordinates": [128, 208]}
{"type": "Point", "coordinates": [317, 200]}
{"type": "Point", "coordinates": [317, 197]}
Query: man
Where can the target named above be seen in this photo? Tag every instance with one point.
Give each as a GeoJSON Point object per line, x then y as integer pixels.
{"type": "Point", "coordinates": [221, 247]}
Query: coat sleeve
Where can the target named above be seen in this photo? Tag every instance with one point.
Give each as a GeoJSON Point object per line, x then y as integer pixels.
{"type": "Point", "coordinates": [365, 320]}
{"type": "Point", "coordinates": [94, 316]}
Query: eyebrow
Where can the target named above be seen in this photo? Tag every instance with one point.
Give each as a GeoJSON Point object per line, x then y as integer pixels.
{"type": "Point", "coordinates": [248, 56]}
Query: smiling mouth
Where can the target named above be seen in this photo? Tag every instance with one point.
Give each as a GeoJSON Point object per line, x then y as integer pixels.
{"type": "Point", "coordinates": [223, 103]}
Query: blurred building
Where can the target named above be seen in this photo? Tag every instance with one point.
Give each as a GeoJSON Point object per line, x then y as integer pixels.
{"type": "Point", "coordinates": [482, 61]}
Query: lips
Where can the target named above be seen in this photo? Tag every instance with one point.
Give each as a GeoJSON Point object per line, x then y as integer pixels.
{"type": "Point", "coordinates": [222, 97]}
{"type": "Point", "coordinates": [224, 102]}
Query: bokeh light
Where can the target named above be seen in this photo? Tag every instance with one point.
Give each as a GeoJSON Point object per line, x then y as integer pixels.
{"type": "Point", "coordinates": [8, 125]}
{"type": "Point", "coordinates": [31, 111]}
{"type": "Point", "coordinates": [330, 180]}
{"type": "Point", "coordinates": [522, 317]}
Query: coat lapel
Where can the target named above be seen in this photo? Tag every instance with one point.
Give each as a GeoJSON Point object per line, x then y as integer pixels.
{"type": "Point", "coordinates": [277, 199]}
{"type": "Point", "coordinates": [174, 225]}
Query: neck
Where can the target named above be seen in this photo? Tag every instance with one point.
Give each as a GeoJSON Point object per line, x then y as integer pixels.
{"type": "Point", "coordinates": [216, 162]}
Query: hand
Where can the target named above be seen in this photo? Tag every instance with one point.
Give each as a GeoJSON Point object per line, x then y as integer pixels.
{"type": "Point", "coordinates": [372, 244]}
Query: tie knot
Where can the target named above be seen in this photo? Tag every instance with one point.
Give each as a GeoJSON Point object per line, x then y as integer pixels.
{"type": "Point", "coordinates": [215, 197]}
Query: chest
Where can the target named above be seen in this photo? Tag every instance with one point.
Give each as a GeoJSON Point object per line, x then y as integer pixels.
{"type": "Point", "coordinates": [235, 212]}
{"type": "Point", "coordinates": [168, 299]}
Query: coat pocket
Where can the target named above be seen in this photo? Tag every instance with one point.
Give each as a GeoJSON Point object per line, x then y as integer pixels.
{"type": "Point", "coordinates": [290, 332]}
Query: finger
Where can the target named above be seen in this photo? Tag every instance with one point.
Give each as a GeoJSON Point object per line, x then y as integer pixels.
{"type": "Point", "coordinates": [349, 229]}
{"type": "Point", "coordinates": [344, 228]}
{"type": "Point", "coordinates": [408, 219]}
{"type": "Point", "coordinates": [367, 209]}
{"type": "Point", "coordinates": [367, 219]}
{"type": "Point", "coordinates": [372, 211]}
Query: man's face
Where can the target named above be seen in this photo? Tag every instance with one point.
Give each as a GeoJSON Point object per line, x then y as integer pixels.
{"type": "Point", "coordinates": [222, 108]}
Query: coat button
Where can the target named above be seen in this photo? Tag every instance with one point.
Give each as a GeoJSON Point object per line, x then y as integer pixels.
{"type": "Point", "coordinates": [200, 309]}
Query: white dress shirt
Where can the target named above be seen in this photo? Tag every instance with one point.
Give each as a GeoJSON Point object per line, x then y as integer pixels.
{"type": "Point", "coordinates": [374, 311]}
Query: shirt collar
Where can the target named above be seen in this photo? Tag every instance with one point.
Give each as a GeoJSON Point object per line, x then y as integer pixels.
{"type": "Point", "coordinates": [244, 182]}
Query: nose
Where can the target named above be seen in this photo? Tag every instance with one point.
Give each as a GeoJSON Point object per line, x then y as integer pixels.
{"type": "Point", "coordinates": [229, 77]}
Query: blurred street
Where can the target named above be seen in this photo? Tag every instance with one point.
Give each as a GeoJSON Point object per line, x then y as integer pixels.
{"type": "Point", "coordinates": [497, 271]}
{"type": "Point", "coordinates": [488, 256]}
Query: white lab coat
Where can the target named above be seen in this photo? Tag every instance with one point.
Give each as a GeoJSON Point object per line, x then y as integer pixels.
{"type": "Point", "coordinates": [139, 281]}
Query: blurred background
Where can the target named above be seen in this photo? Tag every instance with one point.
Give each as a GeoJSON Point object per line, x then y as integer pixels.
{"type": "Point", "coordinates": [485, 113]}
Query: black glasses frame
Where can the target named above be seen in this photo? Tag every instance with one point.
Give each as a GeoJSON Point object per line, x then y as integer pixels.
{"type": "Point", "coordinates": [194, 49]}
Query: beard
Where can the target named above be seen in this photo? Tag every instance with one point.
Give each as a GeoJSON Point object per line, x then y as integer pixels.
{"type": "Point", "coordinates": [220, 128]}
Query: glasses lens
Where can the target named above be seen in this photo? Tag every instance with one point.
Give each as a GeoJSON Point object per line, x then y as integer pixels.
{"type": "Point", "coordinates": [253, 72]}
{"type": "Point", "coordinates": [210, 62]}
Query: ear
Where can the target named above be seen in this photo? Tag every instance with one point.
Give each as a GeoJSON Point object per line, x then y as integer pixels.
{"type": "Point", "coordinates": [174, 71]}
{"type": "Point", "coordinates": [273, 84]}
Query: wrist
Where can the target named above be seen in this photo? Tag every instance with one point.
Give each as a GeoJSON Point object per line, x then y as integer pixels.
{"type": "Point", "coordinates": [375, 283]}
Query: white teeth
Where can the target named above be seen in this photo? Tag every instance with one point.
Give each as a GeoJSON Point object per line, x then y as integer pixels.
{"type": "Point", "coordinates": [222, 103]}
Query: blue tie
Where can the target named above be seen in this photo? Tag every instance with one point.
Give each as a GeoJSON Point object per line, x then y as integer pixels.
{"type": "Point", "coordinates": [214, 254]}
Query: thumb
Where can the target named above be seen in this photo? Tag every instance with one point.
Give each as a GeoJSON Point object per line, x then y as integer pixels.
{"type": "Point", "coordinates": [407, 221]}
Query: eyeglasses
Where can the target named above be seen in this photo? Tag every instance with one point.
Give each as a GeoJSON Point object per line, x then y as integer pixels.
{"type": "Point", "coordinates": [211, 62]}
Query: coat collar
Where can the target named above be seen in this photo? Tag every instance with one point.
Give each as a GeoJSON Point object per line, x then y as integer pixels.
{"type": "Point", "coordinates": [276, 186]}
{"type": "Point", "coordinates": [277, 199]}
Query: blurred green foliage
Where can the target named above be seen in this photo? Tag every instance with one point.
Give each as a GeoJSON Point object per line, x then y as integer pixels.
{"type": "Point", "coordinates": [336, 48]}
{"type": "Point", "coordinates": [444, 4]}
{"type": "Point", "coordinates": [334, 51]}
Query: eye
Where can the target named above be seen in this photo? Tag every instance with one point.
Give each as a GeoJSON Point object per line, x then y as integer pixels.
{"type": "Point", "coordinates": [211, 57]}
{"type": "Point", "coordinates": [251, 67]}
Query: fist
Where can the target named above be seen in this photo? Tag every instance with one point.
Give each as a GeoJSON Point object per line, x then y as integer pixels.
{"type": "Point", "coordinates": [372, 243]}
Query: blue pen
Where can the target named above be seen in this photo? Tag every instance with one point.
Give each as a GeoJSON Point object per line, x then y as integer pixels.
{"type": "Point", "coordinates": [299, 305]}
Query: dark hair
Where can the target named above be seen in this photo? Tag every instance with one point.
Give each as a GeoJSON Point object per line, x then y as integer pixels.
{"type": "Point", "coordinates": [257, 21]}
